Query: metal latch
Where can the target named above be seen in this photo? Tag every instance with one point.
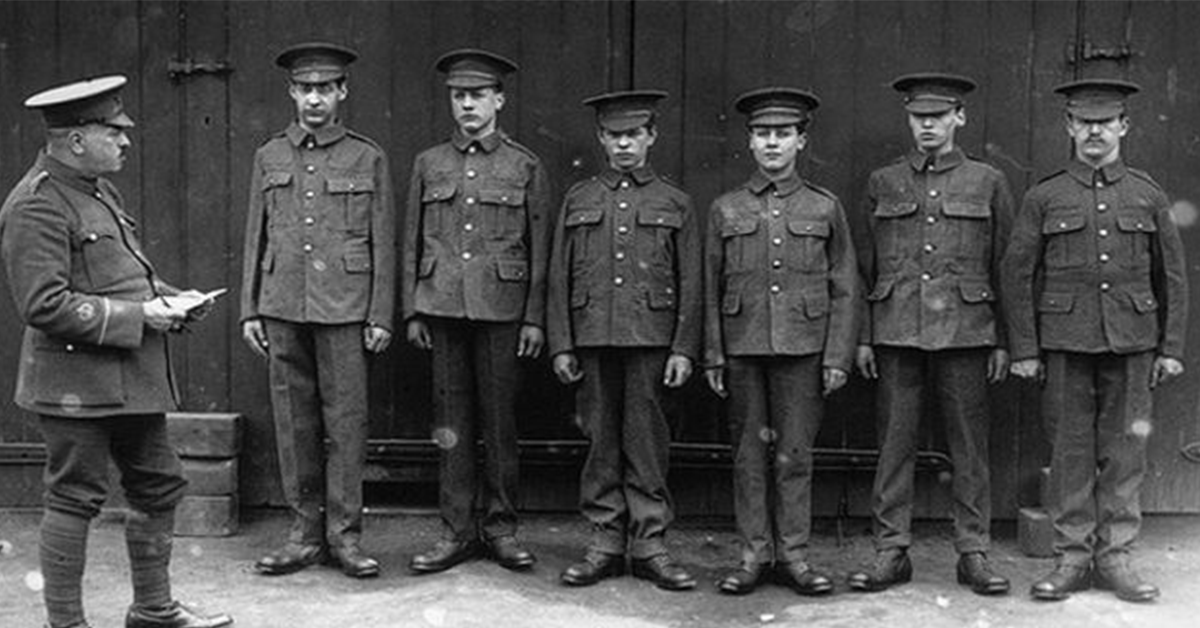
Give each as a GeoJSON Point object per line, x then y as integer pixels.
{"type": "Point", "coordinates": [1090, 52]}
{"type": "Point", "coordinates": [180, 69]}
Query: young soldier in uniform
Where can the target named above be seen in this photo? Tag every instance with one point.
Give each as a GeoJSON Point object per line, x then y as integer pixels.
{"type": "Point", "coordinates": [781, 288]}
{"type": "Point", "coordinates": [94, 362]}
{"type": "Point", "coordinates": [317, 297]}
{"type": "Point", "coordinates": [1096, 300]}
{"type": "Point", "coordinates": [476, 244]}
{"type": "Point", "coordinates": [937, 221]}
{"type": "Point", "coordinates": [624, 316]}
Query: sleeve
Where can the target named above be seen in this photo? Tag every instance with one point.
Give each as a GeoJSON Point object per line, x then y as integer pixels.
{"type": "Point", "coordinates": [714, 270]}
{"type": "Point", "coordinates": [559, 337]}
{"type": "Point", "coordinates": [36, 247]}
{"type": "Point", "coordinates": [1019, 270]}
{"type": "Point", "coordinates": [255, 243]}
{"type": "Point", "coordinates": [689, 324]}
{"type": "Point", "coordinates": [845, 299]}
{"type": "Point", "coordinates": [864, 247]}
{"type": "Point", "coordinates": [410, 247]}
{"type": "Point", "coordinates": [383, 248]}
{"type": "Point", "coordinates": [1002, 222]}
{"type": "Point", "coordinates": [1169, 280]}
{"type": "Point", "coordinates": [539, 204]}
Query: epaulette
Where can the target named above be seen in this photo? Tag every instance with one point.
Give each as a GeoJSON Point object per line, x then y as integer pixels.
{"type": "Point", "coordinates": [665, 179]}
{"type": "Point", "coordinates": [1052, 175]}
{"type": "Point", "coordinates": [37, 180]}
{"type": "Point", "coordinates": [359, 136]}
{"type": "Point", "coordinates": [1144, 176]}
{"type": "Point", "coordinates": [820, 190]}
{"type": "Point", "coordinates": [580, 183]}
{"type": "Point", "coordinates": [517, 145]}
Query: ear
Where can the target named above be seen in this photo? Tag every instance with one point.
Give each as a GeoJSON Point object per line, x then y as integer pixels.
{"type": "Point", "coordinates": [960, 116]}
{"type": "Point", "coordinates": [499, 101]}
{"type": "Point", "coordinates": [802, 141]}
{"type": "Point", "coordinates": [343, 91]}
{"type": "Point", "coordinates": [75, 141]}
{"type": "Point", "coordinates": [652, 135]}
{"type": "Point", "coordinates": [1124, 126]}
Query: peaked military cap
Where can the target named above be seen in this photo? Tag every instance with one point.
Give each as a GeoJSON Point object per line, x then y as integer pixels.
{"type": "Point", "coordinates": [933, 92]}
{"type": "Point", "coordinates": [472, 68]}
{"type": "Point", "coordinates": [316, 62]}
{"type": "Point", "coordinates": [88, 101]}
{"type": "Point", "coordinates": [622, 111]}
{"type": "Point", "coordinates": [1097, 99]}
{"type": "Point", "coordinates": [777, 106]}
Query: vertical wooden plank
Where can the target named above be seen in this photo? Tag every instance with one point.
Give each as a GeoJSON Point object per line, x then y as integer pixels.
{"type": "Point", "coordinates": [658, 35]}
{"type": "Point", "coordinates": [1054, 29]}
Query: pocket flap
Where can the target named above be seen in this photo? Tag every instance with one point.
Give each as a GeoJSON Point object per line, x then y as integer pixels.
{"type": "Point", "coordinates": [276, 179]}
{"type": "Point", "coordinates": [736, 228]}
{"type": "Point", "coordinates": [966, 209]}
{"type": "Point", "coordinates": [513, 197]}
{"type": "Point", "coordinates": [584, 217]}
{"type": "Point", "coordinates": [812, 228]}
{"type": "Point", "coordinates": [894, 210]}
{"type": "Point", "coordinates": [1056, 302]}
{"type": "Point", "coordinates": [816, 303]}
{"type": "Point", "coordinates": [1063, 223]}
{"type": "Point", "coordinates": [438, 192]}
{"type": "Point", "coordinates": [579, 298]}
{"type": "Point", "coordinates": [427, 265]}
{"type": "Point", "coordinates": [976, 292]}
{"type": "Point", "coordinates": [1136, 222]}
{"type": "Point", "coordinates": [660, 218]}
{"type": "Point", "coordinates": [883, 288]}
{"type": "Point", "coordinates": [661, 298]}
{"type": "Point", "coordinates": [512, 270]}
{"type": "Point", "coordinates": [1143, 302]}
{"type": "Point", "coordinates": [357, 262]}
{"type": "Point", "coordinates": [350, 185]}
{"type": "Point", "coordinates": [732, 303]}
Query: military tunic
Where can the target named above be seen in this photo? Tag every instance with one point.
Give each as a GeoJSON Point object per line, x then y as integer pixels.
{"type": "Point", "coordinates": [476, 244]}
{"type": "Point", "coordinates": [318, 266]}
{"type": "Point", "coordinates": [781, 292]}
{"type": "Point", "coordinates": [1095, 285]}
{"type": "Point", "coordinates": [625, 290]}
{"type": "Point", "coordinates": [89, 366]}
{"type": "Point", "coordinates": [936, 230]}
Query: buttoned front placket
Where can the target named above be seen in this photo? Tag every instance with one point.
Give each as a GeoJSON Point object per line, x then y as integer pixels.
{"type": "Point", "coordinates": [468, 220]}
{"type": "Point", "coordinates": [624, 214]}
{"type": "Point", "coordinates": [1104, 199]}
{"type": "Point", "coordinates": [776, 219]}
{"type": "Point", "coordinates": [312, 180]}
{"type": "Point", "coordinates": [932, 229]}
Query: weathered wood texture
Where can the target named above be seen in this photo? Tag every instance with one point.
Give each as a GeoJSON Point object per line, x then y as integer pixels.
{"type": "Point", "coordinates": [187, 179]}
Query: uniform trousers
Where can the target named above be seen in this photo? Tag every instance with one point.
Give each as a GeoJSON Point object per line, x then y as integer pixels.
{"type": "Point", "coordinates": [623, 488]}
{"type": "Point", "coordinates": [959, 381]}
{"type": "Point", "coordinates": [775, 410]}
{"type": "Point", "coordinates": [476, 377]}
{"type": "Point", "coordinates": [319, 391]}
{"type": "Point", "coordinates": [1100, 411]}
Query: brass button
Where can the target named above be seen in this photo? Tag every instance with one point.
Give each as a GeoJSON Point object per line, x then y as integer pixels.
{"type": "Point", "coordinates": [311, 168]}
{"type": "Point", "coordinates": [623, 205]}
{"type": "Point", "coordinates": [1103, 233]}
{"type": "Point", "coordinates": [308, 248]}
{"type": "Point", "coordinates": [777, 241]}
{"type": "Point", "coordinates": [1102, 206]}
{"type": "Point", "coordinates": [931, 219]}
{"type": "Point", "coordinates": [776, 289]}
{"type": "Point", "coordinates": [310, 220]}
{"type": "Point", "coordinates": [620, 255]}
{"type": "Point", "coordinates": [470, 200]}
{"type": "Point", "coordinates": [309, 194]}
{"type": "Point", "coordinates": [469, 227]}
{"type": "Point", "coordinates": [624, 184]}
{"type": "Point", "coordinates": [319, 265]}
{"type": "Point", "coordinates": [1104, 257]}
{"type": "Point", "coordinates": [470, 174]}
{"type": "Point", "coordinates": [618, 280]}
{"type": "Point", "coordinates": [1105, 285]}
{"type": "Point", "coordinates": [622, 229]}
{"type": "Point", "coordinates": [466, 255]}
{"type": "Point", "coordinates": [934, 193]}
{"type": "Point", "coordinates": [777, 263]}
{"type": "Point", "coordinates": [929, 248]}
{"type": "Point", "coordinates": [926, 276]}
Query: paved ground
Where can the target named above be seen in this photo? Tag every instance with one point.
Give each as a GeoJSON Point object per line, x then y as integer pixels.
{"type": "Point", "coordinates": [215, 572]}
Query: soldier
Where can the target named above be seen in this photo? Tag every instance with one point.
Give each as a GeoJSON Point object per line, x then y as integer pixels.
{"type": "Point", "coordinates": [1096, 300]}
{"type": "Point", "coordinates": [476, 243]}
{"type": "Point", "coordinates": [94, 362]}
{"type": "Point", "coordinates": [781, 289]}
{"type": "Point", "coordinates": [937, 221]}
{"type": "Point", "coordinates": [624, 316]}
{"type": "Point", "coordinates": [317, 297]}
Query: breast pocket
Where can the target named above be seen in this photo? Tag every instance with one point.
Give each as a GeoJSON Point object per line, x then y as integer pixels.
{"type": "Point", "coordinates": [583, 231]}
{"type": "Point", "coordinates": [894, 228]}
{"type": "Point", "coordinates": [105, 259]}
{"type": "Point", "coordinates": [503, 213]}
{"type": "Point", "coordinates": [276, 188]}
{"type": "Point", "coordinates": [656, 229]}
{"type": "Point", "coordinates": [737, 238]}
{"type": "Point", "coordinates": [807, 245]}
{"type": "Point", "coordinates": [436, 207]}
{"type": "Point", "coordinates": [969, 226]}
{"type": "Point", "coordinates": [1136, 229]}
{"type": "Point", "coordinates": [1065, 240]}
{"type": "Point", "coordinates": [355, 195]}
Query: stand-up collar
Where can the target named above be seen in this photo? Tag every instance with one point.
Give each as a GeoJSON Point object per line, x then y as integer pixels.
{"type": "Point", "coordinates": [66, 174]}
{"type": "Point", "coordinates": [641, 176]}
{"type": "Point", "coordinates": [920, 161]}
{"type": "Point", "coordinates": [323, 136]}
{"type": "Point", "coordinates": [1087, 175]}
{"type": "Point", "coordinates": [759, 183]}
{"type": "Point", "coordinates": [487, 143]}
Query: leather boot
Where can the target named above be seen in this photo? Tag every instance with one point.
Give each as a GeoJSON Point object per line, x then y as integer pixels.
{"type": "Point", "coordinates": [1117, 575]}
{"type": "Point", "coordinates": [291, 558]}
{"type": "Point", "coordinates": [444, 555]}
{"type": "Point", "coordinates": [508, 553]}
{"type": "Point", "coordinates": [741, 581]}
{"type": "Point", "coordinates": [891, 567]}
{"type": "Point", "coordinates": [353, 562]}
{"type": "Point", "coordinates": [175, 615]}
{"type": "Point", "coordinates": [803, 579]}
{"type": "Point", "coordinates": [664, 572]}
{"type": "Point", "coordinates": [975, 571]}
{"type": "Point", "coordinates": [594, 567]}
{"type": "Point", "coordinates": [1059, 584]}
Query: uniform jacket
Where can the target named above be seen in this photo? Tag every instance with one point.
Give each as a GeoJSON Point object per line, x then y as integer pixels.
{"type": "Point", "coordinates": [780, 274]}
{"type": "Point", "coordinates": [78, 277]}
{"type": "Point", "coordinates": [477, 232]}
{"type": "Point", "coordinates": [627, 266]}
{"type": "Point", "coordinates": [320, 232]}
{"type": "Point", "coordinates": [930, 254]}
{"type": "Point", "coordinates": [1096, 265]}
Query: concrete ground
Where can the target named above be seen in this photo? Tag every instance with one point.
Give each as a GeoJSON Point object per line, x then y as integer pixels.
{"type": "Point", "coordinates": [216, 573]}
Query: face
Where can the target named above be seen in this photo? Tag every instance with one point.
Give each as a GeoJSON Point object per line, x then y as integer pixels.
{"type": "Point", "coordinates": [100, 148]}
{"type": "Point", "coordinates": [1097, 141]}
{"type": "Point", "coordinates": [475, 108]}
{"type": "Point", "coordinates": [775, 147]}
{"type": "Point", "coordinates": [934, 133]}
{"type": "Point", "coordinates": [317, 103]}
{"type": "Point", "coordinates": [629, 149]}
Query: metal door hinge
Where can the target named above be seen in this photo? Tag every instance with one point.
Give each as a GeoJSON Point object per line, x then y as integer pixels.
{"type": "Point", "coordinates": [178, 70]}
{"type": "Point", "coordinates": [1087, 51]}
